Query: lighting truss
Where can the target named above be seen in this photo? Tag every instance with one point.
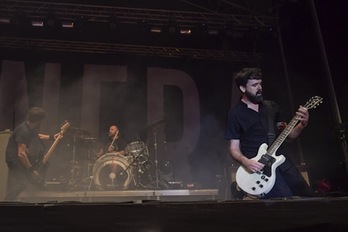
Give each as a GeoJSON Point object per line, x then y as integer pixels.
{"type": "Point", "coordinates": [96, 13]}
{"type": "Point", "coordinates": [110, 48]}
{"type": "Point", "coordinates": [68, 12]}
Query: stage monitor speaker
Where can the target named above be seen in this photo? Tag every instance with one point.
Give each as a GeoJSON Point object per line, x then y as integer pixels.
{"type": "Point", "coordinates": [4, 135]}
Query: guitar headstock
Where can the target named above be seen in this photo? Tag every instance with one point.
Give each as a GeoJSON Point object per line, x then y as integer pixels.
{"type": "Point", "coordinates": [313, 102]}
{"type": "Point", "coordinates": [65, 126]}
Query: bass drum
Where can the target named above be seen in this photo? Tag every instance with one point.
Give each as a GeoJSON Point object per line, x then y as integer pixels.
{"type": "Point", "coordinates": [112, 172]}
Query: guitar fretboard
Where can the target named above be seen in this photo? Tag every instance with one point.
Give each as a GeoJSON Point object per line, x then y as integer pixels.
{"type": "Point", "coordinates": [283, 135]}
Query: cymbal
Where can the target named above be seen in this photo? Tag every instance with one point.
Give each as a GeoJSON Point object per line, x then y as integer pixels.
{"type": "Point", "coordinates": [87, 142]}
{"type": "Point", "coordinates": [76, 129]}
{"type": "Point", "coordinates": [88, 139]}
{"type": "Point", "coordinates": [78, 133]}
{"type": "Point", "coordinates": [154, 124]}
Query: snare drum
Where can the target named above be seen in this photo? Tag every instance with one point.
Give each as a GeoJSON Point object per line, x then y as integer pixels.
{"type": "Point", "coordinates": [112, 172]}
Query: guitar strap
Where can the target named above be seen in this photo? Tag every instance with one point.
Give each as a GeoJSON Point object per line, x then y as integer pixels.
{"type": "Point", "coordinates": [270, 114]}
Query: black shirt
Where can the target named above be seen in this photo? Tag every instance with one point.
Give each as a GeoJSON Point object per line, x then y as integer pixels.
{"type": "Point", "coordinates": [250, 127]}
{"type": "Point", "coordinates": [119, 144]}
{"type": "Point", "coordinates": [22, 134]}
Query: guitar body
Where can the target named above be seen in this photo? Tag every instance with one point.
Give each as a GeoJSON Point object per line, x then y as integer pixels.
{"type": "Point", "coordinates": [41, 169]}
{"type": "Point", "coordinates": [261, 183]}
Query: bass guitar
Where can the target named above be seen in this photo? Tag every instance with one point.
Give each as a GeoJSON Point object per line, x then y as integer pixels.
{"type": "Point", "coordinates": [260, 183]}
{"type": "Point", "coordinates": [40, 165]}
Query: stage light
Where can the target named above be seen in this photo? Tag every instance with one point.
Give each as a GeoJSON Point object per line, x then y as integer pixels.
{"type": "Point", "coordinates": [212, 31]}
{"type": "Point", "coordinates": [37, 23]}
{"type": "Point", "coordinates": [185, 31]}
{"type": "Point", "coordinates": [156, 29]}
{"type": "Point", "coordinates": [68, 24]}
{"type": "Point", "coordinates": [5, 20]}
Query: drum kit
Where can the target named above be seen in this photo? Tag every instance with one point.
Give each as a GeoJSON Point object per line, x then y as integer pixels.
{"type": "Point", "coordinates": [112, 171]}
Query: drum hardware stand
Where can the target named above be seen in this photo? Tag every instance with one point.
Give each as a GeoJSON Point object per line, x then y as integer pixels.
{"type": "Point", "coordinates": [72, 181]}
{"type": "Point", "coordinates": [156, 159]}
{"type": "Point", "coordinates": [155, 165]}
{"type": "Point", "coordinates": [76, 177]}
{"type": "Point", "coordinates": [157, 170]}
{"type": "Point", "coordinates": [90, 182]}
{"type": "Point", "coordinates": [135, 163]}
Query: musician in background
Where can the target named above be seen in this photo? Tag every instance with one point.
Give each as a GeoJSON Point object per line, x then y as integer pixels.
{"type": "Point", "coordinates": [247, 129]}
{"type": "Point", "coordinates": [113, 143]}
{"type": "Point", "coordinates": [22, 150]}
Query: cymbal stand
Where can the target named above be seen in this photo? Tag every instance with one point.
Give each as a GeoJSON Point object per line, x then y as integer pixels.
{"type": "Point", "coordinates": [136, 165]}
{"type": "Point", "coordinates": [156, 159]}
{"type": "Point", "coordinates": [73, 168]}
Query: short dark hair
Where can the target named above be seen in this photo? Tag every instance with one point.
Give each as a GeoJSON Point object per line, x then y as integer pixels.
{"type": "Point", "coordinates": [242, 77]}
{"type": "Point", "coordinates": [36, 114]}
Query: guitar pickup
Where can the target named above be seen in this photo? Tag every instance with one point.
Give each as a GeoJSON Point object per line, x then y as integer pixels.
{"type": "Point", "coordinates": [267, 160]}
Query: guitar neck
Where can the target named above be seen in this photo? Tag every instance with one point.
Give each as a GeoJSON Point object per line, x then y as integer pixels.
{"type": "Point", "coordinates": [283, 135]}
{"type": "Point", "coordinates": [50, 151]}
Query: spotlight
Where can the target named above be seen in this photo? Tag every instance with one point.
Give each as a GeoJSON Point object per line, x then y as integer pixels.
{"type": "Point", "coordinates": [185, 31]}
{"type": "Point", "coordinates": [156, 29]}
{"type": "Point", "coordinates": [5, 20]}
{"type": "Point", "coordinates": [68, 24]}
{"type": "Point", "coordinates": [37, 23]}
{"type": "Point", "coordinates": [212, 31]}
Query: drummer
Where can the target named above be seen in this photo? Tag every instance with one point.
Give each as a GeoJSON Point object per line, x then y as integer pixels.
{"type": "Point", "coordinates": [113, 143]}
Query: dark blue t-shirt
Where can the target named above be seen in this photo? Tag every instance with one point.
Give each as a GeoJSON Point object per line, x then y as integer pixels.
{"type": "Point", "coordinates": [22, 134]}
{"type": "Point", "coordinates": [250, 127]}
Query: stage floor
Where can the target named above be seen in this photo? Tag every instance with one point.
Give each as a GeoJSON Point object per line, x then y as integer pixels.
{"type": "Point", "coordinates": [282, 215]}
{"type": "Point", "coordinates": [120, 196]}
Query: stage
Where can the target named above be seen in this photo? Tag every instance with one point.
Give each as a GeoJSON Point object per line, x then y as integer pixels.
{"type": "Point", "coordinates": [168, 210]}
{"type": "Point", "coordinates": [120, 196]}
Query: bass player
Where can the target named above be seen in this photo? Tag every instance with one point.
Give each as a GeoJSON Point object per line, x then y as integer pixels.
{"type": "Point", "coordinates": [23, 147]}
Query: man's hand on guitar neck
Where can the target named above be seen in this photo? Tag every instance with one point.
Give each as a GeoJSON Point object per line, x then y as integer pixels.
{"type": "Point", "coordinates": [50, 137]}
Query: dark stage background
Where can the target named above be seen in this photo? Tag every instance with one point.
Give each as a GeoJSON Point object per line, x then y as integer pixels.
{"type": "Point", "coordinates": [181, 103]}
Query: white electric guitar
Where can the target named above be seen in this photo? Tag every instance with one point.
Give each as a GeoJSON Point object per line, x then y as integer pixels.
{"type": "Point", "coordinates": [260, 183]}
